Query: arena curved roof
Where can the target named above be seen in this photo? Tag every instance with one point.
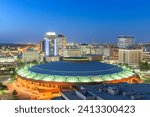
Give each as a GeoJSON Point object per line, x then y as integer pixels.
{"type": "Point", "coordinates": [75, 68]}
{"type": "Point", "coordinates": [75, 72]}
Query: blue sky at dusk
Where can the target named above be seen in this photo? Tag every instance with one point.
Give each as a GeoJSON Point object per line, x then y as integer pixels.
{"type": "Point", "coordinates": [79, 20]}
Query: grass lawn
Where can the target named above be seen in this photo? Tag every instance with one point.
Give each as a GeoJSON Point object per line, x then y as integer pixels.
{"type": "Point", "coordinates": [2, 92]}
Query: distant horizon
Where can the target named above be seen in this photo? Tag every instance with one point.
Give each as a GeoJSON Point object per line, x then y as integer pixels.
{"type": "Point", "coordinates": [27, 21]}
{"type": "Point", "coordinates": [67, 42]}
{"type": "Point", "coordinates": [90, 41]}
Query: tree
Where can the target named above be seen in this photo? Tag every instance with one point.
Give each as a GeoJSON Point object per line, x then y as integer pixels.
{"type": "Point", "coordinates": [144, 66]}
{"type": "Point", "coordinates": [14, 92]}
{"type": "Point", "coordinates": [34, 62]}
{"type": "Point", "coordinates": [1, 84]}
{"type": "Point", "coordinates": [3, 87]}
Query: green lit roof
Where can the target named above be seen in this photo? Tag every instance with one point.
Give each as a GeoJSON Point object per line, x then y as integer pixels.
{"type": "Point", "coordinates": [60, 79]}
{"type": "Point", "coordinates": [25, 72]}
{"type": "Point", "coordinates": [96, 79]}
{"type": "Point", "coordinates": [107, 78]}
{"type": "Point", "coordinates": [72, 79]}
{"type": "Point", "coordinates": [84, 79]}
{"type": "Point", "coordinates": [48, 78]}
{"type": "Point", "coordinates": [39, 76]}
{"type": "Point", "coordinates": [115, 76]}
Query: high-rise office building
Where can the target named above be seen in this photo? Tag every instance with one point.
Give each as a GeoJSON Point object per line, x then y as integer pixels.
{"type": "Point", "coordinates": [53, 45]}
{"type": "Point", "coordinates": [42, 45]}
{"type": "Point", "coordinates": [47, 47]}
{"type": "Point", "coordinates": [125, 41]}
{"type": "Point", "coordinates": [51, 37]}
{"type": "Point", "coordinates": [59, 44]}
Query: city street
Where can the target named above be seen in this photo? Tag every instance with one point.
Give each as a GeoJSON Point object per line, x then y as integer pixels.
{"type": "Point", "coordinates": [5, 79]}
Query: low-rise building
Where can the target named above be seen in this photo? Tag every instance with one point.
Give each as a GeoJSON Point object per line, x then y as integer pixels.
{"type": "Point", "coordinates": [31, 55]}
{"type": "Point", "coordinates": [52, 58]}
{"type": "Point", "coordinates": [132, 57]}
{"type": "Point", "coordinates": [7, 59]}
{"type": "Point", "coordinates": [121, 91]}
{"type": "Point", "coordinates": [146, 56]}
{"type": "Point", "coordinates": [94, 57]}
{"type": "Point", "coordinates": [72, 53]}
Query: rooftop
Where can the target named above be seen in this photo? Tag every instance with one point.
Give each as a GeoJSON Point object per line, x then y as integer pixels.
{"type": "Point", "coordinates": [71, 95]}
{"type": "Point", "coordinates": [125, 37]}
{"type": "Point", "coordinates": [125, 91]}
{"type": "Point", "coordinates": [75, 68]}
{"type": "Point", "coordinates": [75, 72]}
{"type": "Point", "coordinates": [60, 35]}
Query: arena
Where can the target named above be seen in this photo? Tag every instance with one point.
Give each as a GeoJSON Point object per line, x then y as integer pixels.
{"type": "Point", "coordinates": [47, 80]}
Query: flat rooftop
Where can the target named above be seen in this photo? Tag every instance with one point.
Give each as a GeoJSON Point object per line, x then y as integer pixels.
{"type": "Point", "coordinates": [71, 95]}
{"type": "Point", "coordinates": [126, 91]}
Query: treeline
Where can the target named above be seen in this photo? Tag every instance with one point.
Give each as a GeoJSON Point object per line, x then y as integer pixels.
{"type": "Point", "coordinates": [144, 66]}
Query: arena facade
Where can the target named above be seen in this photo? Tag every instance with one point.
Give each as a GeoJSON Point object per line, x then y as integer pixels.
{"type": "Point", "coordinates": [47, 80]}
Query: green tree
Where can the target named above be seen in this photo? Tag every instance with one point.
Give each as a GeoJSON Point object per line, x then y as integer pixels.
{"type": "Point", "coordinates": [34, 62]}
{"type": "Point", "coordinates": [14, 92]}
{"type": "Point", "coordinates": [144, 66]}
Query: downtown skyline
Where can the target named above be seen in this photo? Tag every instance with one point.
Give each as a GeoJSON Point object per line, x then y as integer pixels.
{"type": "Point", "coordinates": [80, 21]}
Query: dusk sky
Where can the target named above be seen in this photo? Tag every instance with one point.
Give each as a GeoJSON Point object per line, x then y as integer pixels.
{"type": "Point", "coordinates": [79, 20]}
